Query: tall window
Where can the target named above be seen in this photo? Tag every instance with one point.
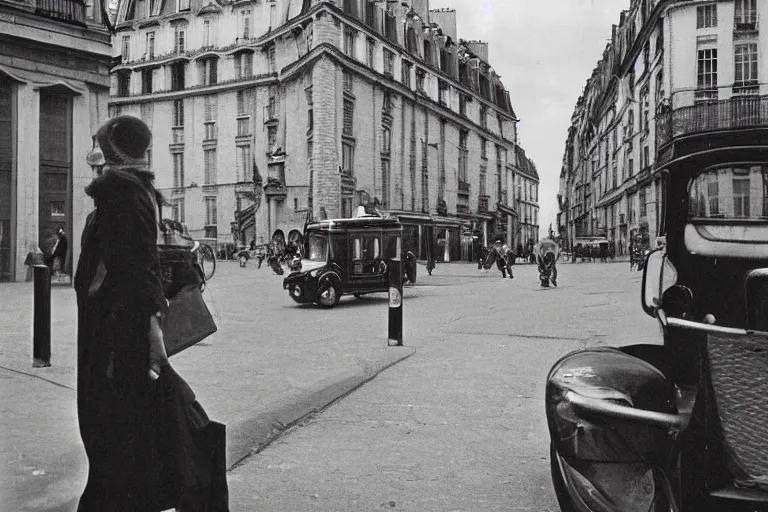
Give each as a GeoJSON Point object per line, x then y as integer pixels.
{"type": "Point", "coordinates": [349, 42]}
{"type": "Point", "coordinates": [741, 196]}
{"type": "Point", "coordinates": [389, 63]}
{"type": "Point", "coordinates": [178, 170]}
{"type": "Point", "coordinates": [630, 167]}
{"type": "Point", "coordinates": [706, 16]}
{"type": "Point", "coordinates": [483, 148]}
{"type": "Point", "coordinates": [207, 33]}
{"type": "Point", "coordinates": [177, 210]}
{"type": "Point", "coordinates": [643, 205]}
{"type": "Point", "coordinates": [406, 74]}
{"type": "Point", "coordinates": [645, 111]}
{"type": "Point", "coordinates": [271, 61]}
{"type": "Point", "coordinates": [178, 113]}
{"type": "Point", "coordinates": [386, 140]}
{"type": "Point", "coordinates": [126, 51]}
{"type": "Point", "coordinates": [462, 105]}
{"type": "Point", "coordinates": [385, 179]}
{"type": "Point", "coordinates": [209, 169]}
{"type": "Point", "coordinates": [179, 35]}
{"type": "Point", "coordinates": [271, 137]}
{"type": "Point", "coordinates": [443, 92]}
{"type": "Point", "coordinates": [371, 53]}
{"type": "Point", "coordinates": [745, 59]}
{"type": "Point", "coordinates": [707, 69]}
{"type": "Point", "coordinates": [150, 46]}
{"type": "Point", "coordinates": [123, 83]}
{"type": "Point", "coordinates": [421, 77]}
{"type": "Point", "coordinates": [348, 158]}
{"type": "Point", "coordinates": [211, 213]}
{"type": "Point", "coordinates": [349, 114]}
{"type": "Point", "coordinates": [178, 76]}
{"type": "Point", "coordinates": [615, 175]}
{"type": "Point", "coordinates": [483, 116]}
{"type": "Point", "coordinates": [244, 162]}
{"type": "Point", "coordinates": [246, 14]}
{"type": "Point", "coordinates": [713, 193]}
{"type": "Point", "coordinates": [211, 107]}
{"type": "Point", "coordinates": [146, 80]}
{"type": "Point", "coordinates": [745, 14]}
{"type": "Point", "coordinates": [209, 71]}
{"type": "Point", "coordinates": [347, 80]}
{"type": "Point", "coordinates": [243, 102]}
{"type": "Point", "coordinates": [463, 155]}
{"type": "Point", "coordinates": [244, 65]}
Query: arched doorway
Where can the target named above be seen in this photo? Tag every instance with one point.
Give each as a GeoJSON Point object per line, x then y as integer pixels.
{"type": "Point", "coordinates": [278, 238]}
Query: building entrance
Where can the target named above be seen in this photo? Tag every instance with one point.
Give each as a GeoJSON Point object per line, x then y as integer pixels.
{"type": "Point", "coordinates": [55, 210]}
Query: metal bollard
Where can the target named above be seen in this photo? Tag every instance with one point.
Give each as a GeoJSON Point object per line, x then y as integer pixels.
{"type": "Point", "coordinates": [41, 337]}
{"type": "Point", "coordinates": [396, 300]}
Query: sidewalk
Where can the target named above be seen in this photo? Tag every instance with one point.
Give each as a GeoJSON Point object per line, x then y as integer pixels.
{"type": "Point", "coordinates": [271, 364]}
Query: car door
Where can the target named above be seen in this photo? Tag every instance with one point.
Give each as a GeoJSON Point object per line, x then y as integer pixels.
{"type": "Point", "coordinates": [365, 262]}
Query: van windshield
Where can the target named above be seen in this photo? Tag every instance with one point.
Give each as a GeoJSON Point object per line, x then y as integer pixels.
{"type": "Point", "coordinates": [318, 247]}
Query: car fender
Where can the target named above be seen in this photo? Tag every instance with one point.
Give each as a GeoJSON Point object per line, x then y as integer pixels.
{"type": "Point", "coordinates": [604, 404]}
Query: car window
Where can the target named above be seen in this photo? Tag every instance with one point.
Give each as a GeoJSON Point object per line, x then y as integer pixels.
{"type": "Point", "coordinates": [366, 247]}
{"type": "Point", "coordinates": [730, 192]}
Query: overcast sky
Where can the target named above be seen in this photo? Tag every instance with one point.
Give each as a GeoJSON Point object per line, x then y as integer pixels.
{"type": "Point", "coordinates": [544, 52]}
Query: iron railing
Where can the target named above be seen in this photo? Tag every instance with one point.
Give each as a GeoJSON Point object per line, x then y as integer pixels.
{"type": "Point", "coordinates": [72, 11]}
{"type": "Point", "coordinates": [737, 112]}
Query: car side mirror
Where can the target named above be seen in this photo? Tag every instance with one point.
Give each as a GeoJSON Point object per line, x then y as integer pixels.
{"type": "Point", "coordinates": [659, 274]}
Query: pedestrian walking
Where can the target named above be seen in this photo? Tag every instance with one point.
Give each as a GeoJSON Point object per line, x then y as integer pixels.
{"type": "Point", "coordinates": [58, 259]}
{"type": "Point", "coordinates": [149, 443]}
{"type": "Point", "coordinates": [547, 254]}
{"type": "Point", "coordinates": [500, 254]}
{"type": "Point", "coordinates": [482, 256]}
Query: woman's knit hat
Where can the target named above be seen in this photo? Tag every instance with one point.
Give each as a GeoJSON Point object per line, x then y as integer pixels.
{"type": "Point", "coordinates": [124, 141]}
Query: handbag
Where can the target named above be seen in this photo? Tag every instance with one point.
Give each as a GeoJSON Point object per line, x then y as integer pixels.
{"type": "Point", "coordinates": [188, 320]}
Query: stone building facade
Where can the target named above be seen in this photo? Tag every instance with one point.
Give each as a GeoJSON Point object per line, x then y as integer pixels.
{"type": "Point", "coordinates": [267, 114]}
{"type": "Point", "coordinates": [54, 88]}
{"type": "Point", "coordinates": [673, 68]}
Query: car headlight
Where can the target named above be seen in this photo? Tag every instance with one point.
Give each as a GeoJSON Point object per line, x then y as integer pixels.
{"type": "Point", "coordinates": [613, 487]}
{"type": "Point", "coordinates": [297, 291]}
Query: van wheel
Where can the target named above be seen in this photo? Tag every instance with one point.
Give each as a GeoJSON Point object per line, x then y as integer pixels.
{"type": "Point", "coordinates": [563, 499]}
{"type": "Point", "coordinates": [329, 292]}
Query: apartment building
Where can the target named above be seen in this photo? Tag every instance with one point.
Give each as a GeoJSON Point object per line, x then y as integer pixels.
{"type": "Point", "coordinates": [54, 89]}
{"type": "Point", "coordinates": [673, 70]}
{"type": "Point", "coordinates": [267, 114]}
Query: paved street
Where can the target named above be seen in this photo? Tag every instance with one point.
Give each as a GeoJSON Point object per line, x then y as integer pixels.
{"type": "Point", "coordinates": [460, 425]}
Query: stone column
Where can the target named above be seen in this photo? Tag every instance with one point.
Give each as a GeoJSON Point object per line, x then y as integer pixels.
{"type": "Point", "coordinates": [28, 174]}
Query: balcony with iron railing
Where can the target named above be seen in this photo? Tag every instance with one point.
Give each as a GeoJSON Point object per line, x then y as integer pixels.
{"type": "Point", "coordinates": [70, 11]}
{"type": "Point", "coordinates": [738, 112]}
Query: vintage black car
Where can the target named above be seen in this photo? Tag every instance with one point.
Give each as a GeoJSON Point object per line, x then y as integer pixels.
{"type": "Point", "coordinates": [681, 426]}
{"type": "Point", "coordinates": [347, 257]}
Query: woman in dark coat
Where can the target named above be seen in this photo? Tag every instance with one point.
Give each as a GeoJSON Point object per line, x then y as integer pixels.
{"type": "Point", "coordinates": [148, 441]}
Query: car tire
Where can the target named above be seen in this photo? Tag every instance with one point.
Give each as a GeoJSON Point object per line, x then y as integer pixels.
{"type": "Point", "coordinates": [331, 296]}
{"type": "Point", "coordinates": [291, 292]}
{"type": "Point", "coordinates": [561, 492]}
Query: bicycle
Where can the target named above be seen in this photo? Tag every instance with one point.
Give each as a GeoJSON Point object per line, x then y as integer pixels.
{"type": "Point", "coordinates": [206, 258]}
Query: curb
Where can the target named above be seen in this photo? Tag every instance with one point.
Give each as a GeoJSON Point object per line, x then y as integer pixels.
{"type": "Point", "coordinates": [250, 436]}
{"type": "Point", "coordinates": [245, 437]}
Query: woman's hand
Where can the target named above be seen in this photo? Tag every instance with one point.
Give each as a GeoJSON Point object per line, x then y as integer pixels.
{"type": "Point", "coordinates": [157, 355]}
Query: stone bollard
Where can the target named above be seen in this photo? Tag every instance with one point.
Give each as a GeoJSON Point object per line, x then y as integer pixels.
{"type": "Point", "coordinates": [396, 301]}
{"type": "Point", "coordinates": [41, 336]}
